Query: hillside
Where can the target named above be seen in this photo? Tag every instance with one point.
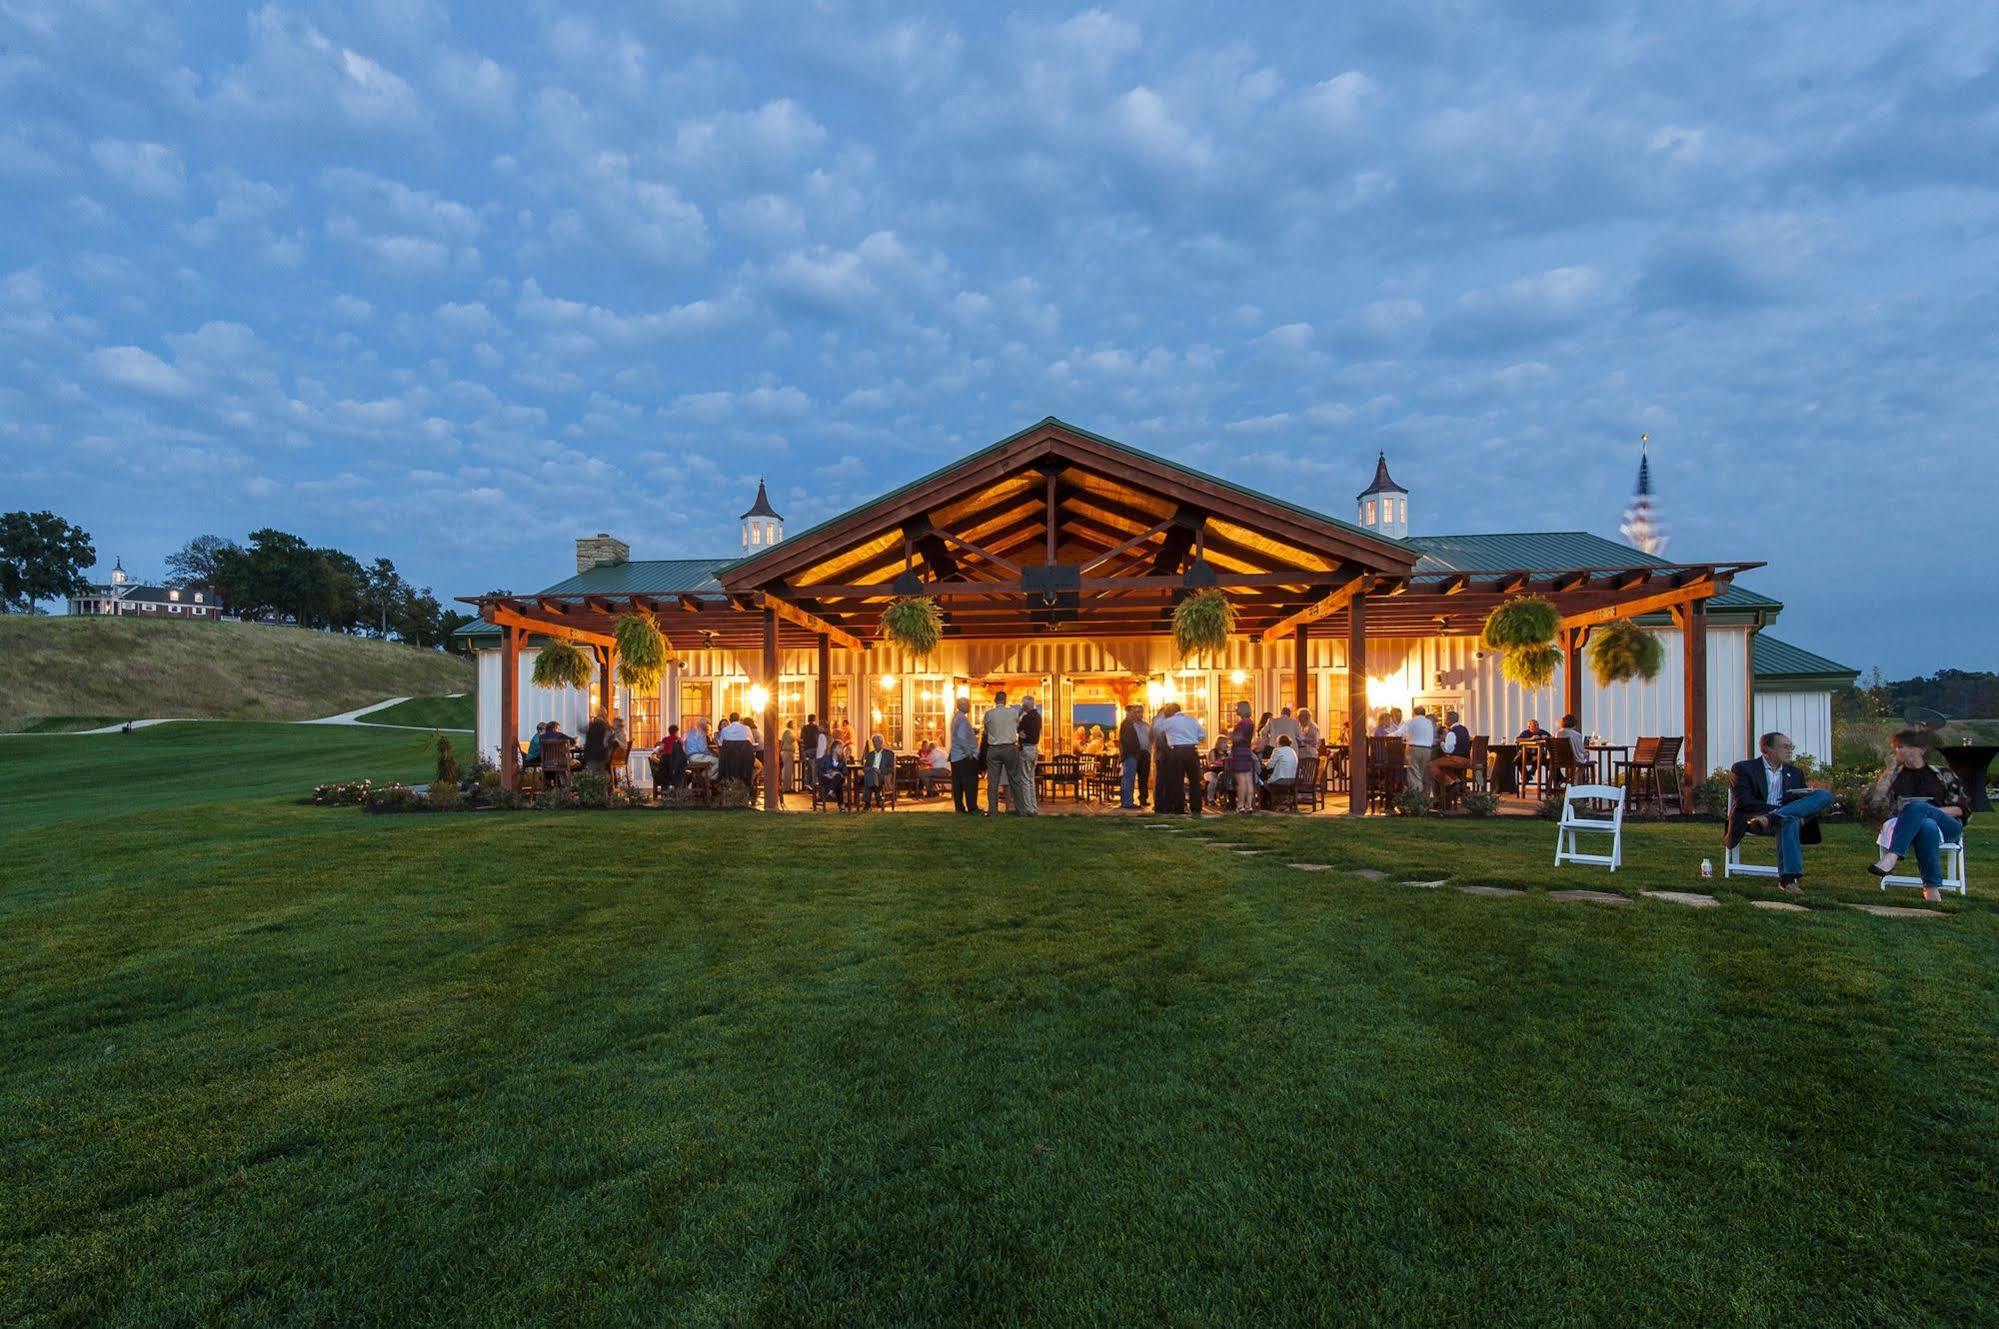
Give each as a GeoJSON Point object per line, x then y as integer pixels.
{"type": "Point", "coordinates": [122, 668]}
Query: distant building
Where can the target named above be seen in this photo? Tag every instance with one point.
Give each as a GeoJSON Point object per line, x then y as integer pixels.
{"type": "Point", "coordinates": [124, 598]}
{"type": "Point", "coordinates": [762, 526]}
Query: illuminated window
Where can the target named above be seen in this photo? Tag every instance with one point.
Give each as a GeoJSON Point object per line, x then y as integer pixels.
{"type": "Point", "coordinates": [197, 597]}
{"type": "Point", "coordinates": [173, 595]}
{"type": "Point", "coordinates": [1370, 512]}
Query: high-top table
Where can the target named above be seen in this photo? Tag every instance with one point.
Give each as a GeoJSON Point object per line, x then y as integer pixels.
{"type": "Point", "coordinates": [1970, 763]}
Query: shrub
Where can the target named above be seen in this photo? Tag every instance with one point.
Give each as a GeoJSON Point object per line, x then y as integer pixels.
{"type": "Point", "coordinates": [1202, 623]}
{"type": "Point", "coordinates": [441, 797]}
{"type": "Point", "coordinates": [392, 798]}
{"type": "Point", "coordinates": [1622, 651]}
{"type": "Point", "coordinates": [480, 769]}
{"type": "Point", "coordinates": [914, 623]}
{"type": "Point", "coordinates": [447, 762]}
{"type": "Point", "coordinates": [593, 789]}
{"type": "Point", "coordinates": [1481, 803]}
{"type": "Point", "coordinates": [631, 796]}
{"type": "Point", "coordinates": [492, 794]}
{"type": "Point", "coordinates": [561, 664]}
{"type": "Point", "coordinates": [1710, 796]}
{"type": "Point", "coordinates": [554, 800]}
{"type": "Point", "coordinates": [1412, 802]}
{"type": "Point", "coordinates": [641, 652]}
{"type": "Point", "coordinates": [342, 795]}
{"type": "Point", "coordinates": [735, 794]}
{"type": "Point", "coordinates": [1551, 806]}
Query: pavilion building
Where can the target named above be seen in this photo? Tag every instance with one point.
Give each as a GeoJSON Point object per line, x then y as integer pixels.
{"type": "Point", "coordinates": [1057, 555]}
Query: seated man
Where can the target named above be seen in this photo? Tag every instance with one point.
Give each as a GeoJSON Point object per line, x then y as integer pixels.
{"type": "Point", "coordinates": [1282, 771]}
{"type": "Point", "coordinates": [1453, 760]}
{"type": "Point", "coordinates": [937, 769]}
{"type": "Point", "coordinates": [1927, 809]}
{"type": "Point", "coordinates": [1769, 797]}
{"type": "Point", "coordinates": [699, 756]}
{"type": "Point", "coordinates": [877, 772]}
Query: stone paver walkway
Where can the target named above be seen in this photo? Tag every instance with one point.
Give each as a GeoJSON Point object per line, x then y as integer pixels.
{"type": "Point", "coordinates": [1591, 897]}
{"type": "Point", "coordinates": [1311, 867]}
{"type": "Point", "coordinates": [1428, 885]}
{"type": "Point", "coordinates": [1370, 873]}
{"type": "Point", "coordinates": [1692, 899]}
{"type": "Point", "coordinates": [1784, 906]}
{"type": "Point", "coordinates": [1896, 911]}
{"type": "Point", "coordinates": [1471, 890]}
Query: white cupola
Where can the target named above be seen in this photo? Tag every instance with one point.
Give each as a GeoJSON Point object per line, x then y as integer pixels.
{"type": "Point", "coordinates": [1384, 505]}
{"type": "Point", "coordinates": [762, 526]}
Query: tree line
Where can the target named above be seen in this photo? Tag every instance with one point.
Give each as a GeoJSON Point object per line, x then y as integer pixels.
{"type": "Point", "coordinates": [276, 577]}
{"type": "Point", "coordinates": [279, 577]}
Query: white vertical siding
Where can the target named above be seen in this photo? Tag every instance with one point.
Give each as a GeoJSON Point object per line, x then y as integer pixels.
{"type": "Point", "coordinates": [1805, 716]}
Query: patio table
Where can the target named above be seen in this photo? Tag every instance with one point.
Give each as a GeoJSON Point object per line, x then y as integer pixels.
{"type": "Point", "coordinates": [1607, 756]}
{"type": "Point", "coordinates": [1970, 762]}
{"type": "Point", "coordinates": [1504, 767]}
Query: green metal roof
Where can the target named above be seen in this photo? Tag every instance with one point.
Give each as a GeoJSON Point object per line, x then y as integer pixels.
{"type": "Point", "coordinates": [652, 576]}
{"type": "Point", "coordinates": [1775, 661]}
{"type": "Point", "coordinates": [1553, 551]}
{"type": "Point", "coordinates": [1126, 448]}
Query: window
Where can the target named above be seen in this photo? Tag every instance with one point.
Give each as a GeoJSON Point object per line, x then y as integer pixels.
{"type": "Point", "coordinates": [1402, 509]}
{"type": "Point", "coordinates": [1370, 512]}
{"type": "Point", "coordinates": [929, 711]}
{"type": "Point", "coordinates": [1237, 685]}
{"type": "Point", "coordinates": [197, 597]}
{"type": "Point", "coordinates": [173, 595]}
{"type": "Point", "coordinates": [697, 702]}
{"type": "Point", "coordinates": [885, 711]}
{"type": "Point", "coordinates": [173, 609]}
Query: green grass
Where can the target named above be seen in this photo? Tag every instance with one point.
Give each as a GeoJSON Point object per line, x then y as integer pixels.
{"type": "Point", "coordinates": [277, 1064]}
{"type": "Point", "coordinates": [128, 668]}
{"type": "Point", "coordinates": [427, 712]}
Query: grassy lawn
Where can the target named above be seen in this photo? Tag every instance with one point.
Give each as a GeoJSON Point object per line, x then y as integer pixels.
{"type": "Point", "coordinates": [129, 669]}
{"type": "Point", "coordinates": [277, 1064]}
{"type": "Point", "coordinates": [429, 712]}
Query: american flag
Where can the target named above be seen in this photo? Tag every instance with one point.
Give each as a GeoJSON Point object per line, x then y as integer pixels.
{"type": "Point", "coordinates": [1642, 528]}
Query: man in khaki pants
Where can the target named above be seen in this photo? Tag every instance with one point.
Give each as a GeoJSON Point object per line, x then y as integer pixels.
{"type": "Point", "coordinates": [1419, 738]}
{"type": "Point", "coordinates": [1002, 730]}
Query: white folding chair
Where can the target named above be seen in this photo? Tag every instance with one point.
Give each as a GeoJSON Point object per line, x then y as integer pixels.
{"type": "Point", "coordinates": [1732, 864]}
{"type": "Point", "coordinates": [1950, 858]}
{"type": "Point", "coordinates": [1567, 847]}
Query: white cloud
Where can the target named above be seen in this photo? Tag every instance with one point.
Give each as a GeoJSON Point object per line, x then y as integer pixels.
{"type": "Point", "coordinates": [465, 320]}
{"type": "Point", "coordinates": [150, 170]}
{"type": "Point", "coordinates": [1544, 304]}
{"type": "Point", "coordinates": [140, 370]}
{"type": "Point", "coordinates": [297, 77]}
{"type": "Point", "coordinates": [477, 85]}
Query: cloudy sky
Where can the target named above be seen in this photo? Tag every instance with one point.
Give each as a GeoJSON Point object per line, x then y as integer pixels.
{"type": "Point", "coordinates": [425, 281]}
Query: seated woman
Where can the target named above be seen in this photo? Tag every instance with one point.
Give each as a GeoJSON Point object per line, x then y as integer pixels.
{"type": "Point", "coordinates": [1924, 808]}
{"type": "Point", "coordinates": [668, 760]}
{"type": "Point", "coordinates": [1282, 772]}
{"type": "Point", "coordinates": [936, 768]}
{"type": "Point", "coordinates": [1217, 766]}
{"type": "Point", "coordinates": [877, 772]}
{"type": "Point", "coordinates": [833, 773]}
{"type": "Point", "coordinates": [534, 744]}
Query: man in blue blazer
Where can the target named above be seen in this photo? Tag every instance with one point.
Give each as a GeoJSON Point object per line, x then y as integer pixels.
{"type": "Point", "coordinates": [1770, 797]}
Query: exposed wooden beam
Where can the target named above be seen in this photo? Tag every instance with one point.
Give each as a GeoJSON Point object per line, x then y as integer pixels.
{"type": "Point", "coordinates": [1312, 613]}
{"type": "Point", "coordinates": [1645, 604]}
{"type": "Point", "coordinates": [690, 603]}
{"type": "Point", "coordinates": [597, 604]}
{"type": "Point", "coordinates": [549, 605]}
{"type": "Point", "coordinates": [516, 618]}
{"type": "Point", "coordinates": [1133, 543]}
{"type": "Point", "coordinates": [1635, 577]}
{"type": "Point", "coordinates": [1455, 585]}
{"type": "Point", "coordinates": [791, 613]}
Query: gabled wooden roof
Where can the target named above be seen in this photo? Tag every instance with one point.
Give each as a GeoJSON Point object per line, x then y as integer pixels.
{"type": "Point", "coordinates": [1105, 494]}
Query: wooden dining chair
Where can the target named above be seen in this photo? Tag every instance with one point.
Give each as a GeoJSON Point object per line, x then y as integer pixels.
{"type": "Point", "coordinates": [555, 763]}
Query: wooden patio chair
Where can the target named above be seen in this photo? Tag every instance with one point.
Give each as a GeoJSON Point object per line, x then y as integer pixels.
{"type": "Point", "coordinates": [1481, 763]}
{"type": "Point", "coordinates": [555, 763]}
{"type": "Point", "coordinates": [1639, 770]}
{"type": "Point", "coordinates": [1065, 769]}
{"type": "Point", "coordinates": [1386, 773]}
{"type": "Point", "coordinates": [1304, 793]}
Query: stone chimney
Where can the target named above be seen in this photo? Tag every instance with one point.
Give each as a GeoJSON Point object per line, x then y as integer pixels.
{"type": "Point", "coordinates": [602, 547]}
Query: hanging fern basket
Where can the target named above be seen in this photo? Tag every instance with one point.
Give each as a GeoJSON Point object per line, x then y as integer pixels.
{"type": "Point", "coordinates": [641, 652]}
{"type": "Point", "coordinates": [1532, 667]}
{"type": "Point", "coordinates": [1621, 651]}
{"type": "Point", "coordinates": [1525, 620]}
{"type": "Point", "coordinates": [1203, 623]}
{"type": "Point", "coordinates": [914, 623]}
{"type": "Point", "coordinates": [561, 664]}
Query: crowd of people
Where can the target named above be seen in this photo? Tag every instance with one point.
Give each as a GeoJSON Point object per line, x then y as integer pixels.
{"type": "Point", "coordinates": [1436, 749]}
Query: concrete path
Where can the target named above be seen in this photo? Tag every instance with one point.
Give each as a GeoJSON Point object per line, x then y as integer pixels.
{"type": "Point", "coordinates": [354, 716]}
{"type": "Point", "coordinates": [344, 718]}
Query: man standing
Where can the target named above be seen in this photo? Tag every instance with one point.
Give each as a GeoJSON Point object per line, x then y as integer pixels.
{"type": "Point", "coordinates": [1002, 735]}
{"type": "Point", "coordinates": [1419, 737]}
{"type": "Point", "coordinates": [1132, 743]}
{"type": "Point", "coordinates": [1024, 793]}
{"type": "Point", "coordinates": [1769, 796]}
{"type": "Point", "coordinates": [1181, 776]}
{"type": "Point", "coordinates": [964, 759]}
{"type": "Point", "coordinates": [1285, 725]}
{"type": "Point", "coordinates": [1144, 760]}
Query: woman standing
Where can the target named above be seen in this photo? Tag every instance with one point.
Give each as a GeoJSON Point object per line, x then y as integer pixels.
{"type": "Point", "coordinates": [1242, 759]}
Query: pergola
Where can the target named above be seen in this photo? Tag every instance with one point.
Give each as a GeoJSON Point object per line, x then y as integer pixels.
{"type": "Point", "coordinates": [1057, 531]}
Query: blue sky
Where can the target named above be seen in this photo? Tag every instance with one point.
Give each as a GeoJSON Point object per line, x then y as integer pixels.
{"type": "Point", "coordinates": [455, 284]}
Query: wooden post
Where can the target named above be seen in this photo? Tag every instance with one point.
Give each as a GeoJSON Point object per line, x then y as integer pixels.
{"type": "Point", "coordinates": [1357, 706]}
{"type": "Point", "coordinates": [1301, 672]}
{"type": "Point", "coordinates": [1572, 675]}
{"type": "Point", "coordinates": [1749, 693]}
{"type": "Point", "coordinates": [510, 707]}
{"type": "Point", "coordinates": [1692, 619]}
{"type": "Point", "coordinates": [825, 689]}
{"type": "Point", "coordinates": [772, 799]}
{"type": "Point", "coordinates": [606, 657]}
